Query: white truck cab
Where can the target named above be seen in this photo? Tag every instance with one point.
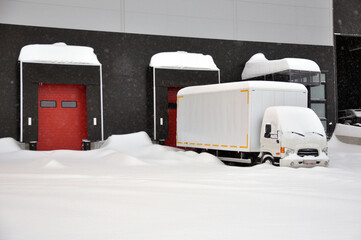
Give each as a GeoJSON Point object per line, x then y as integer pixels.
{"type": "Point", "coordinates": [293, 136]}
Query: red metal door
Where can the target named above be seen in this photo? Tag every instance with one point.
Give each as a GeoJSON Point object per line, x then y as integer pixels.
{"type": "Point", "coordinates": [62, 116]}
{"type": "Point", "coordinates": [172, 117]}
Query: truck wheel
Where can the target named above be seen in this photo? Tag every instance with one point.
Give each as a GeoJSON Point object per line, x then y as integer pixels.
{"type": "Point", "coordinates": [267, 158]}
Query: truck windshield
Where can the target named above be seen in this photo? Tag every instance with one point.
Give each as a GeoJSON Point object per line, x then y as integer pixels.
{"type": "Point", "coordinates": [299, 120]}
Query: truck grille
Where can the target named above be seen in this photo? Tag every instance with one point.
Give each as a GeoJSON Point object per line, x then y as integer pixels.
{"type": "Point", "coordinates": [307, 152]}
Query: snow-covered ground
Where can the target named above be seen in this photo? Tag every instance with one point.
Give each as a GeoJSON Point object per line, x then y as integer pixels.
{"type": "Point", "coordinates": [132, 189]}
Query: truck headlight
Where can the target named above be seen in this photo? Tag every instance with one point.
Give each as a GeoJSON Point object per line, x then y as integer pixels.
{"type": "Point", "coordinates": [325, 150]}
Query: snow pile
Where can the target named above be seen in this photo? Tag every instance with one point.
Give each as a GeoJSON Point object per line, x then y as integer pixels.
{"type": "Point", "coordinates": [140, 146]}
{"type": "Point", "coordinates": [58, 53]}
{"type": "Point", "coordinates": [347, 130]}
{"type": "Point", "coordinates": [8, 145]}
{"type": "Point", "coordinates": [259, 65]}
{"type": "Point", "coordinates": [128, 143]}
{"type": "Point", "coordinates": [52, 164]}
{"type": "Point", "coordinates": [183, 60]}
{"type": "Point", "coordinates": [347, 156]}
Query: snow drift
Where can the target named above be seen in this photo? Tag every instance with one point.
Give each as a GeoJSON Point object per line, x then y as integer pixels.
{"type": "Point", "coordinates": [133, 189]}
{"type": "Point", "coordinates": [8, 145]}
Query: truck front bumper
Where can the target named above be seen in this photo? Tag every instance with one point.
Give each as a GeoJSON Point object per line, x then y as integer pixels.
{"type": "Point", "coordinates": [296, 161]}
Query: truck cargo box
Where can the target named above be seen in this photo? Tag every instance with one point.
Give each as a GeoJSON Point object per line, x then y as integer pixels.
{"type": "Point", "coordinates": [228, 116]}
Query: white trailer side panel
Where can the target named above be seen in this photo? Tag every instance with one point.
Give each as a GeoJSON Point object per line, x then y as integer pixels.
{"type": "Point", "coordinates": [216, 120]}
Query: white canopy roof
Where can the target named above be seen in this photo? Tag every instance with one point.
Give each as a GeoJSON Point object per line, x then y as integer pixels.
{"type": "Point", "coordinates": [183, 60]}
{"type": "Point", "coordinates": [58, 53]}
{"type": "Point", "coordinates": [259, 65]}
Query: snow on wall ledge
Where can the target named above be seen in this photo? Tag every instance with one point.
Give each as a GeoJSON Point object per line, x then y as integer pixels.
{"type": "Point", "coordinates": [348, 134]}
{"type": "Point", "coordinates": [58, 53]}
{"type": "Point", "coordinates": [259, 65]}
{"type": "Point", "coordinates": [183, 60]}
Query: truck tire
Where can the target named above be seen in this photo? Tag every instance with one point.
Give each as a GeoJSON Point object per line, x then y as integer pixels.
{"type": "Point", "coordinates": [267, 157]}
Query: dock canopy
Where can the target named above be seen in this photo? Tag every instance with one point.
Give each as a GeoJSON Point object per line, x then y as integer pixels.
{"type": "Point", "coordinates": [292, 69]}
{"type": "Point", "coordinates": [177, 70]}
{"type": "Point", "coordinates": [54, 64]}
{"type": "Point", "coordinates": [183, 60]}
{"type": "Point", "coordinates": [58, 53]}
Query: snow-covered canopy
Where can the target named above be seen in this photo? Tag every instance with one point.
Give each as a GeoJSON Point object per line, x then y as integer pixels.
{"type": "Point", "coordinates": [183, 60]}
{"type": "Point", "coordinates": [58, 53]}
{"type": "Point", "coordinates": [259, 65]}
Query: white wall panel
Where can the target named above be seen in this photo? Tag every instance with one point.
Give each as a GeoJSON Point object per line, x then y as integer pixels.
{"type": "Point", "coordinates": [216, 9]}
{"type": "Point", "coordinates": [179, 26]}
{"type": "Point", "coordinates": [78, 14]}
{"type": "Point", "coordinates": [104, 4]}
{"type": "Point", "coordinates": [296, 3]}
{"type": "Point", "coordinates": [200, 18]}
{"type": "Point", "coordinates": [284, 21]}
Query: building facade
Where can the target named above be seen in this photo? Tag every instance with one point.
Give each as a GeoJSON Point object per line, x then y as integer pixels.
{"type": "Point", "coordinates": [126, 34]}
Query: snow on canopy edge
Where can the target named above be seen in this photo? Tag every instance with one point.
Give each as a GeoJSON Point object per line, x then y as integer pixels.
{"type": "Point", "coordinates": [58, 53]}
{"type": "Point", "coordinates": [259, 65]}
{"type": "Point", "coordinates": [242, 85]}
{"type": "Point", "coordinates": [183, 61]}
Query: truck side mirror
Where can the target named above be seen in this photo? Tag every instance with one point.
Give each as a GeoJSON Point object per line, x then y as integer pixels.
{"type": "Point", "coordinates": [268, 129]}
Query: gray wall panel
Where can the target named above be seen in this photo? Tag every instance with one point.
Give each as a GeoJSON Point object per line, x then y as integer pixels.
{"type": "Point", "coordinates": [280, 21]}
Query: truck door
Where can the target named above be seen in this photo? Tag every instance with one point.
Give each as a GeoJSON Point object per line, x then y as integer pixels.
{"type": "Point", "coordinates": [62, 116]}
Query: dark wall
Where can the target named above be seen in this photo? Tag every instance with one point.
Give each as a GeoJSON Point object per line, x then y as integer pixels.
{"type": "Point", "coordinates": [128, 96]}
{"type": "Point", "coordinates": [347, 26]}
{"type": "Point", "coordinates": [348, 72]}
{"type": "Point", "coordinates": [347, 17]}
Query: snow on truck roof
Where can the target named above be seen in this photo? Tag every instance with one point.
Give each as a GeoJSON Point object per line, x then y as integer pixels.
{"type": "Point", "coordinates": [259, 65]}
{"type": "Point", "coordinates": [288, 115]}
{"type": "Point", "coordinates": [243, 85]}
{"type": "Point", "coordinates": [183, 61]}
{"type": "Point", "coordinates": [58, 53]}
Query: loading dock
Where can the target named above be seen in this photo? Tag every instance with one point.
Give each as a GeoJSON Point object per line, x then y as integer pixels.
{"type": "Point", "coordinates": [61, 99]}
{"type": "Point", "coordinates": [170, 72]}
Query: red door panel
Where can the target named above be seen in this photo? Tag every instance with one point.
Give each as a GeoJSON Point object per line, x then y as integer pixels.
{"type": "Point", "coordinates": [172, 117]}
{"type": "Point", "coordinates": [62, 116]}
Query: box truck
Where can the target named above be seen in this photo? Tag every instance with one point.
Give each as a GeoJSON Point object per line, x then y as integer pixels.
{"type": "Point", "coordinates": [252, 121]}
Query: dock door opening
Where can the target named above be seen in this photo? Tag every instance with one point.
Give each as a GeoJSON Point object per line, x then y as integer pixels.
{"type": "Point", "coordinates": [172, 116]}
{"type": "Point", "coordinates": [62, 114]}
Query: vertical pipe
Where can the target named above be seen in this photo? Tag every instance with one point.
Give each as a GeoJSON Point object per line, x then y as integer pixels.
{"type": "Point", "coordinates": [101, 102]}
{"type": "Point", "coordinates": [219, 76]}
{"type": "Point", "coordinates": [21, 101]}
{"type": "Point", "coordinates": [154, 108]}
